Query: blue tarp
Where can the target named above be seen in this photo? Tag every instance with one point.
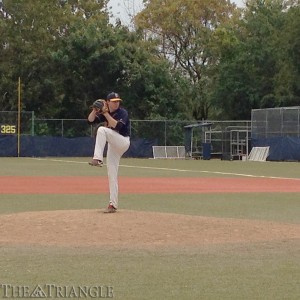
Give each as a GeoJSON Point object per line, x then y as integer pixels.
{"type": "Point", "coordinates": [42, 146]}
{"type": "Point", "coordinates": [281, 148]}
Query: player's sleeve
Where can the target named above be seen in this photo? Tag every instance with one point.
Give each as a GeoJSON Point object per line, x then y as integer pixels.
{"type": "Point", "coordinates": [98, 119]}
{"type": "Point", "coordinates": [122, 121]}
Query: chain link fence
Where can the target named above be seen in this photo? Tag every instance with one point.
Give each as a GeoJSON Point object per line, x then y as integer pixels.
{"type": "Point", "coordinates": [279, 130]}
{"type": "Point", "coordinates": [9, 122]}
{"type": "Point", "coordinates": [165, 132]}
{"type": "Point", "coordinates": [221, 135]}
{"type": "Point", "coordinates": [276, 122]}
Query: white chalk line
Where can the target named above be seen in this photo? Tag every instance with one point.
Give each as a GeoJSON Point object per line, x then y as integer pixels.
{"type": "Point", "coordinates": [175, 170]}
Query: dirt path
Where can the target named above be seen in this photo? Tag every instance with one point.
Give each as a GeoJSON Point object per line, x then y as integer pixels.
{"type": "Point", "coordinates": [94, 185]}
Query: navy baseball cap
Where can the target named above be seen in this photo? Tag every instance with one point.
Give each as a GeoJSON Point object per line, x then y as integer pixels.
{"type": "Point", "coordinates": [113, 97]}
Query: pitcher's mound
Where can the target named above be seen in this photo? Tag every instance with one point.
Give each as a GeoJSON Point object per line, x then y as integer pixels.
{"type": "Point", "coordinates": [134, 229]}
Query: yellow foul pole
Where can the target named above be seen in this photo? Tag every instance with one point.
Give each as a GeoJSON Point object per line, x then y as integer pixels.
{"type": "Point", "coordinates": [19, 115]}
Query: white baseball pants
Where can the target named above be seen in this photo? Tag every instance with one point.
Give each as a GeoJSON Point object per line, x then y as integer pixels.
{"type": "Point", "coordinates": [117, 145]}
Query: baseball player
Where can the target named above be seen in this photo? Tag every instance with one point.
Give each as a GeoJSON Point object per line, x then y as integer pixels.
{"type": "Point", "coordinates": [114, 132]}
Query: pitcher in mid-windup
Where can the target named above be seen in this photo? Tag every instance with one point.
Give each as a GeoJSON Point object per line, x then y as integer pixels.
{"type": "Point", "coordinates": [115, 132]}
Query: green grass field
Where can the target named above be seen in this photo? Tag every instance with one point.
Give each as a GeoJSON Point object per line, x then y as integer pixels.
{"type": "Point", "coordinates": [260, 270]}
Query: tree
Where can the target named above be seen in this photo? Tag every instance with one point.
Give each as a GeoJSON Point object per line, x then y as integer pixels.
{"type": "Point", "coordinates": [71, 57]}
{"type": "Point", "coordinates": [184, 31]}
{"type": "Point", "coordinates": [31, 31]}
{"type": "Point", "coordinates": [287, 80]}
{"type": "Point", "coordinates": [248, 69]}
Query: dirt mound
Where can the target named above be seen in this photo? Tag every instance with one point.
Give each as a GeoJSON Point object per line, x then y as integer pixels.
{"type": "Point", "coordinates": [135, 229]}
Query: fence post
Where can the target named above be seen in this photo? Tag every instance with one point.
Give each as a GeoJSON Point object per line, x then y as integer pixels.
{"type": "Point", "coordinates": [32, 123]}
{"type": "Point", "coordinates": [165, 132]}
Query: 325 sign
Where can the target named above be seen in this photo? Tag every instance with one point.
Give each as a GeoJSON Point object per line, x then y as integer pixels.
{"type": "Point", "coordinates": [8, 129]}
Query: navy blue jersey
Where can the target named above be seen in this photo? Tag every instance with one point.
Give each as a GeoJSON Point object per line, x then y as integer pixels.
{"type": "Point", "coordinates": [120, 115]}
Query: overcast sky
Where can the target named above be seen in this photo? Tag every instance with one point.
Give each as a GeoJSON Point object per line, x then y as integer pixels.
{"type": "Point", "coordinates": [123, 8]}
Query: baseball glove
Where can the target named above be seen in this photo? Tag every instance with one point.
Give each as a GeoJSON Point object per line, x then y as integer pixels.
{"type": "Point", "coordinates": [100, 106]}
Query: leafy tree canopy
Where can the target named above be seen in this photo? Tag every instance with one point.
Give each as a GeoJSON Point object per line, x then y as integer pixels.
{"type": "Point", "coordinates": [184, 59]}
